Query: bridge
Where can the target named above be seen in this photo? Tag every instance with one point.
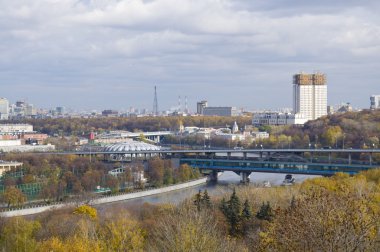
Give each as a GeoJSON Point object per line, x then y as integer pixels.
{"type": "Point", "coordinates": [154, 136]}
{"type": "Point", "coordinates": [324, 162]}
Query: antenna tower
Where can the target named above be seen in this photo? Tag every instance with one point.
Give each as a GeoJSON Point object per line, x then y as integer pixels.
{"type": "Point", "coordinates": [155, 102]}
{"type": "Point", "coordinates": [179, 104]}
{"type": "Point", "coordinates": [186, 108]}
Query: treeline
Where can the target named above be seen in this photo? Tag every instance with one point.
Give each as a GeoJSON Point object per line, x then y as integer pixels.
{"type": "Point", "coordinates": [56, 177]}
{"type": "Point", "coordinates": [348, 130]}
{"type": "Point", "coordinates": [340, 213]}
{"type": "Point", "coordinates": [80, 126]}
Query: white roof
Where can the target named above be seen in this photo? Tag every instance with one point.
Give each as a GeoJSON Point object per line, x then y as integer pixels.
{"type": "Point", "coordinates": [130, 146]}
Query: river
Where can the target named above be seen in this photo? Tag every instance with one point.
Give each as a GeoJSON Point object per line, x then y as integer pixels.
{"type": "Point", "coordinates": [224, 182]}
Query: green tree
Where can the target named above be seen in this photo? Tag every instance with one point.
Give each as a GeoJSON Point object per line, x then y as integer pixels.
{"type": "Point", "coordinates": [265, 212]}
{"type": "Point", "coordinates": [232, 211]}
{"type": "Point", "coordinates": [206, 200]}
{"type": "Point", "coordinates": [247, 212]}
{"type": "Point", "coordinates": [198, 200]}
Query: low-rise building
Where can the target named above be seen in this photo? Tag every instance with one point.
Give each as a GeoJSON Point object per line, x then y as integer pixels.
{"type": "Point", "coordinates": [15, 129]}
{"type": "Point", "coordinates": [260, 135]}
{"type": "Point", "coordinates": [7, 166]}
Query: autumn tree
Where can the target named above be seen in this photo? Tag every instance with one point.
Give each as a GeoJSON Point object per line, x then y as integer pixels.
{"type": "Point", "coordinates": [13, 196]}
{"type": "Point", "coordinates": [18, 234]}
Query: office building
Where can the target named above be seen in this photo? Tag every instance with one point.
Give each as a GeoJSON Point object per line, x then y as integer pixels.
{"type": "Point", "coordinates": [4, 109]}
{"type": "Point", "coordinates": [375, 102]}
{"type": "Point", "coordinates": [310, 95]}
{"type": "Point", "coordinates": [110, 113]}
{"type": "Point", "coordinates": [200, 106]}
{"type": "Point", "coordinates": [276, 118]}
{"type": "Point", "coordinates": [220, 111]}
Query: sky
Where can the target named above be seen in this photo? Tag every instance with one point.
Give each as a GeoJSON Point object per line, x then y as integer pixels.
{"type": "Point", "coordinates": [109, 54]}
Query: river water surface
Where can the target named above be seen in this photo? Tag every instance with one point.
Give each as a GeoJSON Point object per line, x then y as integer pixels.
{"type": "Point", "coordinates": [224, 182]}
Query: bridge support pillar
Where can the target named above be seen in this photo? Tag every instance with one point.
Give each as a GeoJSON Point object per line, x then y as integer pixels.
{"type": "Point", "coordinates": [370, 158]}
{"type": "Point", "coordinates": [349, 158]}
{"type": "Point", "coordinates": [244, 177]}
{"type": "Point", "coordinates": [329, 157]}
{"type": "Point", "coordinates": [245, 155]}
{"type": "Point", "coordinates": [228, 155]}
{"type": "Point", "coordinates": [213, 176]}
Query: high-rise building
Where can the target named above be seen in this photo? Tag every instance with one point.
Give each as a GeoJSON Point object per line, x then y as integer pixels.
{"type": "Point", "coordinates": [4, 109]}
{"type": "Point", "coordinates": [200, 107]}
{"type": "Point", "coordinates": [310, 95]}
{"type": "Point", "coordinates": [375, 101]}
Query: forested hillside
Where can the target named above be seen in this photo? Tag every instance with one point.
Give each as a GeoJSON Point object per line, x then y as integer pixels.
{"type": "Point", "coordinates": [341, 213]}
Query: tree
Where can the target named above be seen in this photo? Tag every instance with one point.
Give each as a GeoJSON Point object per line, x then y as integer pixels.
{"type": "Point", "coordinates": [198, 200]}
{"type": "Point", "coordinates": [232, 211]}
{"type": "Point", "coordinates": [13, 196]}
{"type": "Point", "coordinates": [121, 233]}
{"type": "Point", "coordinates": [206, 201]}
{"type": "Point", "coordinates": [18, 235]}
{"type": "Point", "coordinates": [246, 216]}
{"type": "Point", "coordinates": [246, 213]}
{"type": "Point", "coordinates": [265, 212]}
{"type": "Point", "coordinates": [87, 211]}
{"type": "Point", "coordinates": [341, 213]}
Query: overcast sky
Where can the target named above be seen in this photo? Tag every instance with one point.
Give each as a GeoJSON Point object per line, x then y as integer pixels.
{"type": "Point", "coordinates": [110, 54]}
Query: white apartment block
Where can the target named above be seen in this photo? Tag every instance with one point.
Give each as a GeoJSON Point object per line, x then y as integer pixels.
{"type": "Point", "coordinates": [310, 95]}
{"type": "Point", "coordinates": [375, 101]}
{"type": "Point", "coordinates": [15, 129]}
{"type": "Point", "coordinates": [276, 118]}
{"type": "Point", "coordinates": [4, 109]}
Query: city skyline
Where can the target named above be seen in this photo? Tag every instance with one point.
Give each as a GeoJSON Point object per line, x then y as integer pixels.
{"type": "Point", "coordinates": [111, 54]}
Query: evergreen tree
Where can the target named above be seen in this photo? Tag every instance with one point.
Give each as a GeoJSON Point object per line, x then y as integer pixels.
{"type": "Point", "coordinates": [224, 207]}
{"type": "Point", "coordinates": [206, 201]}
{"type": "Point", "coordinates": [198, 200]}
{"type": "Point", "coordinates": [246, 213]}
{"type": "Point", "coordinates": [232, 211]}
{"type": "Point", "coordinates": [265, 212]}
{"type": "Point", "coordinates": [246, 216]}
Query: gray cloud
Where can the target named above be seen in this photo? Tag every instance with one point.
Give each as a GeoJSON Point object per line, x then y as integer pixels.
{"type": "Point", "coordinates": [108, 53]}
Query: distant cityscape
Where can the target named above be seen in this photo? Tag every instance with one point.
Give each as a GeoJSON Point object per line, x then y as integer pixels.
{"type": "Point", "coordinates": [309, 103]}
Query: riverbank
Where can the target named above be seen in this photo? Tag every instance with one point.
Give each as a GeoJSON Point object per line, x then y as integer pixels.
{"type": "Point", "coordinates": [103, 200]}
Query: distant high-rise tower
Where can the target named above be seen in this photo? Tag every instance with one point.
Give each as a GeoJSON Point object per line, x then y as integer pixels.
{"type": "Point", "coordinates": [155, 102]}
{"type": "Point", "coordinates": [375, 102]}
{"type": "Point", "coordinates": [200, 107]}
{"type": "Point", "coordinates": [310, 95]}
{"type": "Point", "coordinates": [4, 109]}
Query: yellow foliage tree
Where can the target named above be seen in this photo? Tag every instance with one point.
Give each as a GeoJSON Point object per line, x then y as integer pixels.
{"type": "Point", "coordinates": [87, 211]}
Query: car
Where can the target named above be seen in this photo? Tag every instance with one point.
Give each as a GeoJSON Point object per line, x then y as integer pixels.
{"type": "Point", "coordinates": [238, 148]}
{"type": "Point", "coordinates": [289, 180]}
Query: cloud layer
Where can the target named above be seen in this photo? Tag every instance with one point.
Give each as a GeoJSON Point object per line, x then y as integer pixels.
{"type": "Point", "coordinates": [108, 53]}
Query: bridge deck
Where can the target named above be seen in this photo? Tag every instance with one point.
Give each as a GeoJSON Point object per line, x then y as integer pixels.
{"type": "Point", "coordinates": [274, 166]}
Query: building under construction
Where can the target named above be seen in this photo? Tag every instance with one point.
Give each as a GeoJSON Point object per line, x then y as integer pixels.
{"type": "Point", "coordinates": [309, 79]}
{"type": "Point", "coordinates": [310, 95]}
